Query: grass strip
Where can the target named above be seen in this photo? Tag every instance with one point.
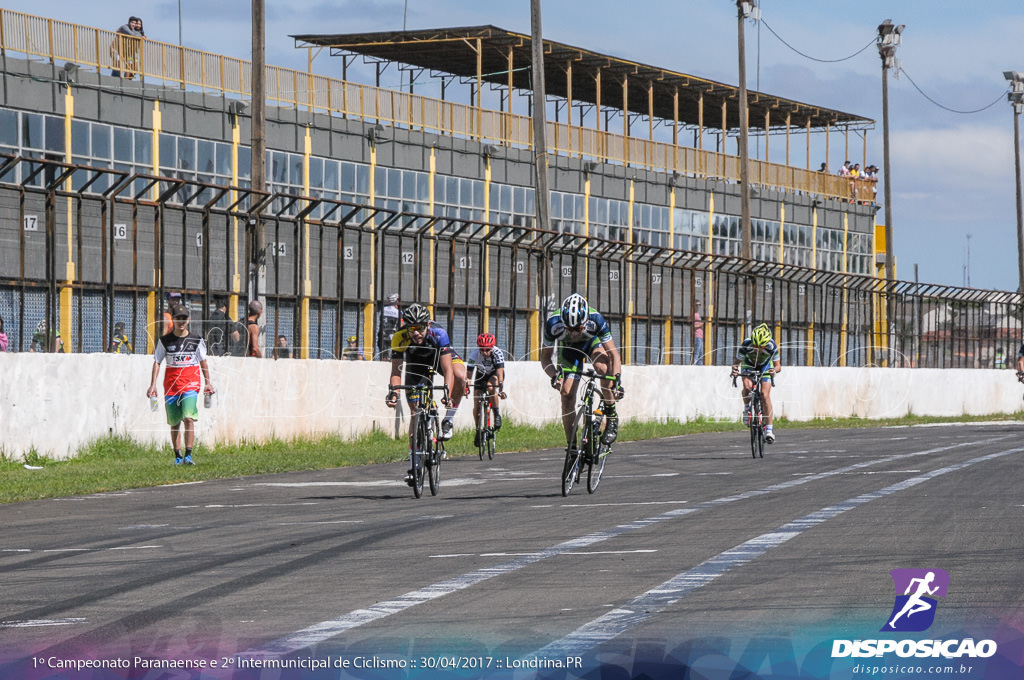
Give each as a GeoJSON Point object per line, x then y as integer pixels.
{"type": "Point", "coordinates": [118, 463]}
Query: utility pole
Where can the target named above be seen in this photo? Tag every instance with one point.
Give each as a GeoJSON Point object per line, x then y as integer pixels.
{"type": "Point", "coordinates": [259, 147]}
{"type": "Point", "coordinates": [888, 40]}
{"type": "Point", "coordinates": [744, 10]}
{"type": "Point", "coordinates": [1016, 98]}
{"type": "Point", "coordinates": [540, 147]}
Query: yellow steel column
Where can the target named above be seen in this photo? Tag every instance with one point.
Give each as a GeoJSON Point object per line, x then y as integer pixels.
{"type": "Point", "coordinates": [667, 344]}
{"type": "Point", "coordinates": [433, 244]}
{"type": "Point", "coordinates": [487, 247]}
{"type": "Point", "coordinates": [814, 265]}
{"type": "Point", "coordinates": [369, 309]}
{"type": "Point", "coordinates": [153, 312]}
{"type": "Point", "coordinates": [709, 283]}
{"type": "Point", "coordinates": [66, 303]}
{"type": "Point", "coordinates": [627, 331]}
{"type": "Point", "coordinates": [586, 229]}
{"type": "Point", "coordinates": [236, 278]}
{"type": "Point", "coordinates": [307, 281]}
{"type": "Point", "coordinates": [844, 324]}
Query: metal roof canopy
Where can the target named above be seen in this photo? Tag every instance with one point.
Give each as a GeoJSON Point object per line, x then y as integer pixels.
{"type": "Point", "coordinates": [454, 51]}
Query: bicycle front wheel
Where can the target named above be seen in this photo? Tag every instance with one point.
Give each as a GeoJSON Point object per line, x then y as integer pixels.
{"type": "Point", "coordinates": [756, 426]}
{"type": "Point", "coordinates": [481, 431]}
{"type": "Point", "coordinates": [570, 469]}
{"type": "Point", "coordinates": [434, 457]}
{"type": "Point", "coordinates": [422, 442]}
{"type": "Point", "coordinates": [596, 469]}
{"type": "Point", "coordinates": [491, 435]}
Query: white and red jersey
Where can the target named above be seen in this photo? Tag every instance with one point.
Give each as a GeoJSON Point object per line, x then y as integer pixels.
{"type": "Point", "coordinates": [183, 356]}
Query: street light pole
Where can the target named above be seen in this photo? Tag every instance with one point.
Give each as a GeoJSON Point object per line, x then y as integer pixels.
{"type": "Point", "coordinates": [1016, 97]}
{"type": "Point", "coordinates": [888, 40]}
{"type": "Point", "coordinates": [744, 10]}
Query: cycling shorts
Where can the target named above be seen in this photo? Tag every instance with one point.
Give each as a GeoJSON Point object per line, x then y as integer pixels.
{"type": "Point", "coordinates": [480, 381]}
{"type": "Point", "coordinates": [572, 356]}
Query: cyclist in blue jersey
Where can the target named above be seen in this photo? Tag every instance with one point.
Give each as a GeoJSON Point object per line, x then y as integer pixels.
{"type": "Point", "coordinates": [757, 353]}
{"type": "Point", "coordinates": [578, 333]}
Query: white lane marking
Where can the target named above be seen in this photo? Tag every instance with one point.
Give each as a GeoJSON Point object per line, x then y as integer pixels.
{"type": "Point", "coordinates": [610, 505]}
{"type": "Point", "coordinates": [63, 550]}
{"type": "Point", "coordinates": [456, 481]}
{"type": "Point", "coordinates": [33, 623]}
{"type": "Point", "coordinates": [325, 630]}
{"type": "Point", "coordinates": [219, 506]}
{"type": "Point", "coordinates": [643, 607]}
{"type": "Point", "coordinates": [332, 521]}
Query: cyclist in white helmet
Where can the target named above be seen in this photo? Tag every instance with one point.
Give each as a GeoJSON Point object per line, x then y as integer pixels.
{"type": "Point", "coordinates": [573, 335]}
{"type": "Point", "coordinates": [756, 353]}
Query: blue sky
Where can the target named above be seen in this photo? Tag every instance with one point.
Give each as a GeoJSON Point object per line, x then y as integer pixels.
{"type": "Point", "coordinates": [952, 173]}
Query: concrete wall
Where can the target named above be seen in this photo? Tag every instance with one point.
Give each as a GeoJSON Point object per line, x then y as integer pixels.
{"type": "Point", "coordinates": [57, 403]}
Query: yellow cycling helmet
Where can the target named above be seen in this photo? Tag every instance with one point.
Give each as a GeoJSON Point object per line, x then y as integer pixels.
{"type": "Point", "coordinates": [761, 335]}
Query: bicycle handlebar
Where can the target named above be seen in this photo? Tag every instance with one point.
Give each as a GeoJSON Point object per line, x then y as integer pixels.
{"type": "Point", "coordinates": [755, 376]}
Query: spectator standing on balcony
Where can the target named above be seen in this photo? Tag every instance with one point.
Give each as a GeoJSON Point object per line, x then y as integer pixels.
{"type": "Point", "coordinates": [126, 48]}
{"type": "Point", "coordinates": [823, 168]}
{"type": "Point", "coordinates": [844, 170]}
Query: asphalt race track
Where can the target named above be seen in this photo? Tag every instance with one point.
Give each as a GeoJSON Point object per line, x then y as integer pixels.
{"type": "Point", "coordinates": [691, 555]}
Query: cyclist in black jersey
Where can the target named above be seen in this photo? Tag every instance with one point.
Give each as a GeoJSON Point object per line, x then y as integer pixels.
{"type": "Point", "coordinates": [422, 354]}
{"type": "Point", "coordinates": [486, 373]}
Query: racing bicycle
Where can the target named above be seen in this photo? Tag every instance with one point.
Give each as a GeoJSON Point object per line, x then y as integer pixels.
{"type": "Point", "coordinates": [428, 447]}
{"type": "Point", "coordinates": [758, 419]}
{"type": "Point", "coordinates": [585, 446]}
{"type": "Point", "coordinates": [485, 432]}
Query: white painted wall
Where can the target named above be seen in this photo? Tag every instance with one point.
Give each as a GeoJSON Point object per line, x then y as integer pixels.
{"type": "Point", "coordinates": [56, 403]}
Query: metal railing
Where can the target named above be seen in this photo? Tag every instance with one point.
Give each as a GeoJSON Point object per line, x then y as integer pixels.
{"type": "Point", "coordinates": [81, 261]}
{"type": "Point", "coordinates": [184, 68]}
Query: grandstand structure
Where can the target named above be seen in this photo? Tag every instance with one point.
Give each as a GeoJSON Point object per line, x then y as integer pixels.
{"type": "Point", "coordinates": [115, 192]}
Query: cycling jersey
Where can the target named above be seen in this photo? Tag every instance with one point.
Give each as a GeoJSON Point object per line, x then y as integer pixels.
{"type": "Point", "coordinates": [757, 358]}
{"type": "Point", "coordinates": [184, 356]}
{"type": "Point", "coordinates": [483, 366]}
{"type": "Point", "coordinates": [572, 352]}
{"type": "Point", "coordinates": [422, 360]}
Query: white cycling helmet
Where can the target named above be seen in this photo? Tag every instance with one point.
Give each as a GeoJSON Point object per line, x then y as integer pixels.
{"type": "Point", "coordinates": [575, 311]}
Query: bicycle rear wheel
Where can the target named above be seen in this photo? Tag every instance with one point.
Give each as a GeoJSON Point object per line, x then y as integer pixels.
{"type": "Point", "coordinates": [435, 456]}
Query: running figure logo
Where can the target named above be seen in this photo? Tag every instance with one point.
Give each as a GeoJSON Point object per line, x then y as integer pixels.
{"type": "Point", "coordinates": [914, 610]}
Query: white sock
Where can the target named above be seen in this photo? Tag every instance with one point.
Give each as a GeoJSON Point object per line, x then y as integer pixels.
{"type": "Point", "coordinates": [449, 414]}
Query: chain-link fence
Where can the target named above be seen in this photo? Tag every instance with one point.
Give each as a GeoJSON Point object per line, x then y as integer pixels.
{"type": "Point", "coordinates": [83, 249]}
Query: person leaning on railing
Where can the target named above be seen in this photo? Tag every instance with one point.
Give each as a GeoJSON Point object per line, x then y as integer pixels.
{"type": "Point", "coordinates": [126, 49]}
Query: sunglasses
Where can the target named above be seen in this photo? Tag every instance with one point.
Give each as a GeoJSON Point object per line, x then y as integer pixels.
{"type": "Point", "coordinates": [417, 329]}
{"type": "Point", "coordinates": [181, 318]}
